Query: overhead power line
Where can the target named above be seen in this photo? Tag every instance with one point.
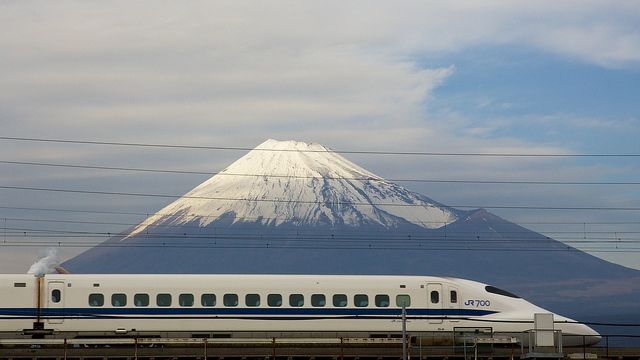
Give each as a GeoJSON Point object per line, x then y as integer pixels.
{"type": "Point", "coordinates": [187, 245]}
{"type": "Point", "coordinates": [31, 163]}
{"type": "Point", "coordinates": [120, 193]}
{"type": "Point", "coordinates": [59, 237]}
{"type": "Point", "coordinates": [83, 211]}
{"type": "Point", "coordinates": [17, 233]}
{"type": "Point", "coordinates": [237, 148]}
{"type": "Point", "coordinates": [187, 226]}
{"type": "Point", "coordinates": [220, 227]}
{"type": "Point", "coordinates": [219, 173]}
{"type": "Point", "coordinates": [170, 230]}
{"type": "Point", "coordinates": [92, 211]}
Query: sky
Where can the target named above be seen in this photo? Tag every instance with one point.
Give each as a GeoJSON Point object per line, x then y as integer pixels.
{"type": "Point", "coordinates": [526, 77]}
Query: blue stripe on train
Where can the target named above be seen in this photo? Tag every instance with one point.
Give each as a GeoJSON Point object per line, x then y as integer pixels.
{"type": "Point", "coordinates": [270, 312]}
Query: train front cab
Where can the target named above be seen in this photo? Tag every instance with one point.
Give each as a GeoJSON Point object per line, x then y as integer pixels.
{"type": "Point", "coordinates": [442, 302]}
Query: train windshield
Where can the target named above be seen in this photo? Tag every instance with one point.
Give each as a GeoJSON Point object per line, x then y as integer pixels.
{"type": "Point", "coordinates": [495, 290]}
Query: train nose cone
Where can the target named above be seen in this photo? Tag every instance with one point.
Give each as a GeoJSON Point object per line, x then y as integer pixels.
{"type": "Point", "coordinates": [582, 335]}
{"type": "Point", "coordinates": [578, 335]}
{"type": "Point", "coordinates": [590, 337]}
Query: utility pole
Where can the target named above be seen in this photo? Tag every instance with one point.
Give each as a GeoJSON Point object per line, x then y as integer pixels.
{"type": "Point", "coordinates": [404, 332]}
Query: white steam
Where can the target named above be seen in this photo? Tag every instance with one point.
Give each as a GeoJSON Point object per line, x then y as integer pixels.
{"type": "Point", "coordinates": [47, 264]}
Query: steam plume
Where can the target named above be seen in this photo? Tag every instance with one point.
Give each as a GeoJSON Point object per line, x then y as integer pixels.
{"type": "Point", "coordinates": [47, 264]}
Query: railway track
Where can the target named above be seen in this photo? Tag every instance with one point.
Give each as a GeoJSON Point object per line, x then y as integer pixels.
{"type": "Point", "coordinates": [274, 349]}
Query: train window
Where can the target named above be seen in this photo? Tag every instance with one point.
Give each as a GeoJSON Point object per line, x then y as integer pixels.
{"type": "Point", "coordinates": [454, 296]}
{"type": "Point", "coordinates": [185, 299]}
{"type": "Point", "coordinates": [318, 300]}
{"type": "Point", "coordinates": [56, 296]}
{"type": "Point", "coordinates": [361, 300]}
{"type": "Point", "coordinates": [96, 299]}
{"type": "Point", "coordinates": [163, 299]}
{"type": "Point", "coordinates": [230, 300]}
{"type": "Point", "coordinates": [208, 300]}
{"type": "Point", "coordinates": [403, 300]}
{"type": "Point", "coordinates": [382, 300]}
{"type": "Point", "coordinates": [435, 297]}
{"type": "Point", "coordinates": [339, 300]}
{"type": "Point", "coordinates": [495, 290]}
{"type": "Point", "coordinates": [119, 300]}
{"type": "Point", "coordinates": [141, 299]}
{"type": "Point", "coordinates": [252, 300]}
{"type": "Point", "coordinates": [296, 300]}
{"type": "Point", "coordinates": [274, 300]}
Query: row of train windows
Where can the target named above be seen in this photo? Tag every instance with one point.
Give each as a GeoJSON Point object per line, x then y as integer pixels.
{"type": "Point", "coordinates": [252, 300]}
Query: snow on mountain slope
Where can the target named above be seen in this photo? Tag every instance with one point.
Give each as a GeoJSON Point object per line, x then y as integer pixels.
{"type": "Point", "coordinates": [294, 182]}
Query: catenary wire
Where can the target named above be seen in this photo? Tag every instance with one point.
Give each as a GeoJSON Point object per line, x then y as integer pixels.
{"type": "Point", "coordinates": [237, 148]}
{"type": "Point", "coordinates": [476, 236]}
{"type": "Point", "coordinates": [104, 212]}
{"type": "Point", "coordinates": [89, 211]}
{"type": "Point", "coordinates": [266, 241]}
{"type": "Point", "coordinates": [468, 244]}
{"type": "Point", "coordinates": [222, 173]}
{"type": "Point", "coordinates": [21, 233]}
{"type": "Point", "coordinates": [120, 193]}
{"type": "Point", "coordinates": [187, 226]}
{"type": "Point", "coordinates": [311, 247]}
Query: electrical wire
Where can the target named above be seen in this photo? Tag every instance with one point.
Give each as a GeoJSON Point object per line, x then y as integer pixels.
{"type": "Point", "coordinates": [222, 173]}
{"type": "Point", "coordinates": [120, 193]}
{"type": "Point", "coordinates": [236, 148]}
{"type": "Point", "coordinates": [589, 233]}
{"type": "Point", "coordinates": [25, 237]}
{"type": "Point", "coordinates": [90, 211]}
{"type": "Point", "coordinates": [474, 236]}
{"type": "Point", "coordinates": [308, 247]}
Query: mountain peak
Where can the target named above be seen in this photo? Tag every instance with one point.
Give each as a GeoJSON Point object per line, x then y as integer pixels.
{"type": "Point", "coordinates": [298, 183]}
{"type": "Point", "coordinates": [290, 145]}
{"type": "Point", "coordinates": [296, 159]}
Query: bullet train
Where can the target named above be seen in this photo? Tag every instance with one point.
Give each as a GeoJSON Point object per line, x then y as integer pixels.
{"type": "Point", "coordinates": [71, 305]}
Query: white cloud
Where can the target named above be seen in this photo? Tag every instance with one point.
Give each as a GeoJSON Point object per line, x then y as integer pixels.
{"type": "Point", "coordinates": [345, 74]}
{"type": "Point", "coordinates": [79, 64]}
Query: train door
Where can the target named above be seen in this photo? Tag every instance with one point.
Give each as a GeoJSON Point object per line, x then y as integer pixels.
{"type": "Point", "coordinates": [454, 302]}
{"type": "Point", "coordinates": [55, 302]}
{"type": "Point", "coordinates": [434, 302]}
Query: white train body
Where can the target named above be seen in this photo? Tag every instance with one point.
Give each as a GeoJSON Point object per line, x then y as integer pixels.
{"type": "Point", "coordinates": [153, 305]}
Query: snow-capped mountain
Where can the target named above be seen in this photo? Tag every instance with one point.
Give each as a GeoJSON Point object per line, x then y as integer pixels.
{"type": "Point", "coordinates": [291, 182]}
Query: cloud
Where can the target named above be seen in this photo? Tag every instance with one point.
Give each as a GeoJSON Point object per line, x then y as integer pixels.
{"type": "Point", "coordinates": [79, 64]}
{"type": "Point", "coordinates": [558, 120]}
{"type": "Point", "coordinates": [351, 75]}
